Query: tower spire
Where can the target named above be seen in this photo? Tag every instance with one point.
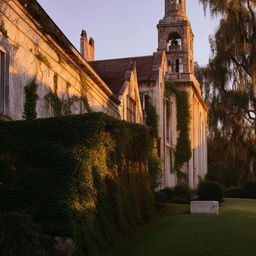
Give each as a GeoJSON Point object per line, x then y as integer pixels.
{"type": "Point", "coordinates": [175, 8]}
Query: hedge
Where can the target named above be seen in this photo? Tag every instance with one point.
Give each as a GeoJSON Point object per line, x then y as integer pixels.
{"type": "Point", "coordinates": [210, 190]}
{"type": "Point", "coordinates": [83, 177]}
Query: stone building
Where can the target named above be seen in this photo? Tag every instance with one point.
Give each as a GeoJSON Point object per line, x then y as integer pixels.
{"type": "Point", "coordinates": [33, 50]}
{"type": "Point", "coordinates": [121, 77]}
{"type": "Point", "coordinates": [150, 72]}
{"type": "Point", "coordinates": [173, 62]}
{"type": "Point", "coordinates": [175, 37]}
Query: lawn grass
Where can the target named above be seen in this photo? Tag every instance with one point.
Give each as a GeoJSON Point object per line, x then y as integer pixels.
{"type": "Point", "coordinates": [177, 233]}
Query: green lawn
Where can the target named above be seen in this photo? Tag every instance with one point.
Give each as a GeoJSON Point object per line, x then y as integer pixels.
{"type": "Point", "coordinates": [177, 233]}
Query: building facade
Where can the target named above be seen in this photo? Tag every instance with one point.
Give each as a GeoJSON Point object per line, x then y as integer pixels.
{"type": "Point", "coordinates": [34, 51]}
{"type": "Point", "coordinates": [173, 62]}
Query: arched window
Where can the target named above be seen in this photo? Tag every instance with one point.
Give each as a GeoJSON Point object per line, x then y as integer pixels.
{"type": "Point", "coordinates": [174, 42]}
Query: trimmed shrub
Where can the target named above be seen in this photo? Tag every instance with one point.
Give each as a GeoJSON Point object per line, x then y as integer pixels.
{"type": "Point", "coordinates": [181, 193]}
{"type": "Point", "coordinates": [210, 190]}
{"type": "Point", "coordinates": [234, 192]}
{"type": "Point", "coordinates": [169, 192]}
{"type": "Point", "coordinates": [161, 196]}
{"type": "Point", "coordinates": [249, 189]}
{"type": "Point", "coordinates": [81, 177]}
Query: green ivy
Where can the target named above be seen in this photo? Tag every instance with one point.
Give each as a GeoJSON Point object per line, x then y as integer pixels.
{"type": "Point", "coordinates": [152, 117]}
{"type": "Point", "coordinates": [172, 156]}
{"type": "Point", "coordinates": [88, 173]}
{"type": "Point", "coordinates": [31, 98]}
{"type": "Point", "coordinates": [85, 101]}
{"type": "Point", "coordinates": [183, 150]}
{"type": "Point", "coordinates": [3, 30]}
{"type": "Point", "coordinates": [55, 103]}
{"type": "Point", "coordinates": [41, 57]}
{"type": "Point", "coordinates": [67, 104]}
{"type": "Point", "coordinates": [55, 82]}
{"type": "Point", "coordinates": [63, 107]}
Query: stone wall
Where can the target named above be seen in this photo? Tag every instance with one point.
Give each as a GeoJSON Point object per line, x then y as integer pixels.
{"type": "Point", "coordinates": [34, 54]}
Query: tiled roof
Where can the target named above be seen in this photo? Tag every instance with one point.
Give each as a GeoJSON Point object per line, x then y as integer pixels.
{"type": "Point", "coordinates": [113, 71]}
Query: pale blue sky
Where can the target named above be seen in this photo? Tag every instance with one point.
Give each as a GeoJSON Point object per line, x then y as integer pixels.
{"type": "Point", "coordinates": [124, 28]}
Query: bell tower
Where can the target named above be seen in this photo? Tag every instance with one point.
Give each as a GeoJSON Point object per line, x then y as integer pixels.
{"type": "Point", "coordinates": [175, 36]}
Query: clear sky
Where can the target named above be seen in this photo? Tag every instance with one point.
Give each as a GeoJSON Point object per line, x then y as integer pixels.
{"type": "Point", "coordinates": [124, 28]}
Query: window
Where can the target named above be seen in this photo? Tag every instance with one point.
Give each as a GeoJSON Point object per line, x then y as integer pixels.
{"type": "Point", "coordinates": [178, 66]}
{"type": "Point", "coordinates": [2, 80]}
{"type": "Point", "coordinates": [144, 99]}
{"type": "Point", "coordinates": [131, 109]}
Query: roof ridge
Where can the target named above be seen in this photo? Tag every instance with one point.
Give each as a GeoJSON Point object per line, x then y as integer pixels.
{"type": "Point", "coordinates": [125, 58]}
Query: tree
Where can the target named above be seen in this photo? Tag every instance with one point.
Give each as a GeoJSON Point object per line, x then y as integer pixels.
{"type": "Point", "coordinates": [229, 83]}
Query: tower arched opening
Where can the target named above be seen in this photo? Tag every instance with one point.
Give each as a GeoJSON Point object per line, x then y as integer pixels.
{"type": "Point", "coordinates": [174, 42]}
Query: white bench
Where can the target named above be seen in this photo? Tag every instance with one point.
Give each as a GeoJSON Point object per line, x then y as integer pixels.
{"type": "Point", "coordinates": [204, 207]}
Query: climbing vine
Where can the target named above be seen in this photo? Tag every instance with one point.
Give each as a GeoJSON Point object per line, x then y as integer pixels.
{"type": "Point", "coordinates": [63, 107]}
{"type": "Point", "coordinates": [55, 82]}
{"type": "Point", "coordinates": [43, 59]}
{"type": "Point", "coordinates": [85, 101]}
{"type": "Point", "coordinates": [152, 117]}
{"type": "Point", "coordinates": [31, 98]}
{"type": "Point", "coordinates": [3, 29]}
{"type": "Point", "coordinates": [84, 91]}
{"type": "Point", "coordinates": [55, 103]}
{"type": "Point", "coordinates": [183, 148]}
{"type": "Point", "coordinates": [172, 156]}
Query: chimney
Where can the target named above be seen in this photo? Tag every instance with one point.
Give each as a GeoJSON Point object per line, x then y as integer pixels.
{"type": "Point", "coordinates": [92, 49]}
{"type": "Point", "coordinates": [86, 47]}
{"type": "Point", "coordinates": [83, 44]}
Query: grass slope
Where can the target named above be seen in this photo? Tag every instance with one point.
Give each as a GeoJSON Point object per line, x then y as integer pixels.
{"type": "Point", "coordinates": [177, 233]}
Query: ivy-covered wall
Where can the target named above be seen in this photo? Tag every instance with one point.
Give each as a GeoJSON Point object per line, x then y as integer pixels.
{"type": "Point", "coordinates": [83, 177]}
{"type": "Point", "coordinates": [183, 151]}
